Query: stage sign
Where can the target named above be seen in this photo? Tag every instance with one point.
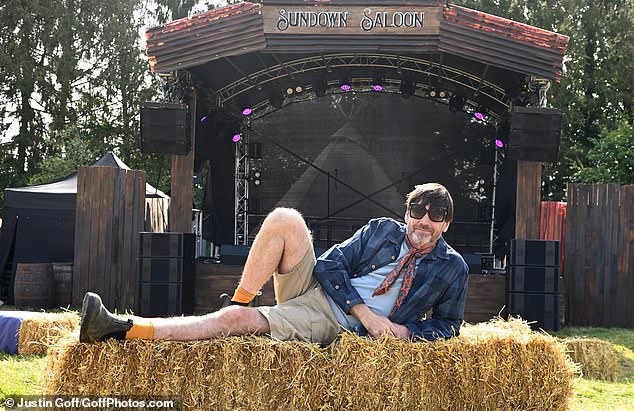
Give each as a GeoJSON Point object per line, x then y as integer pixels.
{"type": "Point", "coordinates": [351, 20]}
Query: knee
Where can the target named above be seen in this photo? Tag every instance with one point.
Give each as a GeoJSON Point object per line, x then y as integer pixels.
{"type": "Point", "coordinates": [285, 219]}
{"type": "Point", "coordinates": [240, 316]}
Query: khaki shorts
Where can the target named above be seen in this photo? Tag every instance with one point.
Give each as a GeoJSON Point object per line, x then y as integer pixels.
{"type": "Point", "coordinates": [302, 311]}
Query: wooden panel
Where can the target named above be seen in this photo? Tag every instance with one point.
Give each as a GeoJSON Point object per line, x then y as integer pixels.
{"type": "Point", "coordinates": [528, 200]}
{"type": "Point", "coordinates": [180, 217]}
{"type": "Point", "coordinates": [328, 19]}
{"type": "Point", "coordinates": [212, 280]}
{"type": "Point", "coordinates": [486, 297]}
{"type": "Point", "coordinates": [109, 217]}
{"type": "Point", "coordinates": [599, 270]}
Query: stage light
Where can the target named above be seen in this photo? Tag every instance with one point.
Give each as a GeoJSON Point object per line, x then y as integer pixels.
{"type": "Point", "coordinates": [247, 111]}
{"type": "Point", "coordinates": [256, 178]}
{"type": "Point", "coordinates": [434, 93]}
{"type": "Point", "coordinates": [377, 83]}
{"type": "Point", "coordinates": [456, 103]}
{"type": "Point", "coordinates": [203, 119]}
{"type": "Point", "coordinates": [345, 84]}
{"type": "Point", "coordinates": [480, 112]}
{"type": "Point", "coordinates": [299, 89]}
{"type": "Point", "coordinates": [236, 137]}
{"type": "Point", "coordinates": [407, 88]}
{"type": "Point", "coordinates": [289, 91]}
{"type": "Point", "coordinates": [499, 143]}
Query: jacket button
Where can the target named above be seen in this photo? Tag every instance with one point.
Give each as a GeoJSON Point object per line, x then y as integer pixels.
{"type": "Point", "coordinates": [348, 302]}
{"type": "Point", "coordinates": [337, 287]}
{"type": "Point", "coordinates": [373, 266]}
{"type": "Point", "coordinates": [393, 257]}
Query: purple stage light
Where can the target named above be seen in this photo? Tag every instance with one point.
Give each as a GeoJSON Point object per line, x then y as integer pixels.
{"type": "Point", "coordinates": [499, 143]}
{"type": "Point", "coordinates": [478, 115]}
{"type": "Point", "coordinates": [345, 87]}
{"type": "Point", "coordinates": [247, 111]}
{"type": "Point", "coordinates": [236, 137]}
{"type": "Point", "coordinates": [377, 87]}
{"type": "Point", "coordinates": [203, 118]}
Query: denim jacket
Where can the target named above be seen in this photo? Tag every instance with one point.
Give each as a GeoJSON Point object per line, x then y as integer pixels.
{"type": "Point", "coordinates": [440, 282]}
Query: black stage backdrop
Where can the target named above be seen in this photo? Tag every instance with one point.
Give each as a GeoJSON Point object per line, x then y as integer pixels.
{"type": "Point", "coordinates": [343, 159]}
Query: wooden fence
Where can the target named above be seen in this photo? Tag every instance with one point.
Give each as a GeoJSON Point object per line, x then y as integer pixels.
{"type": "Point", "coordinates": [599, 255]}
{"type": "Point", "coordinates": [110, 215]}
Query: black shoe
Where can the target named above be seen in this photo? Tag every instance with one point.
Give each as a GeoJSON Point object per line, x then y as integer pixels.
{"type": "Point", "coordinates": [226, 301]}
{"type": "Point", "coordinates": [97, 323]}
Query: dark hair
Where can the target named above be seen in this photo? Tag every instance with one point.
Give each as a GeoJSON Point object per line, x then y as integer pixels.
{"type": "Point", "coordinates": [434, 194]}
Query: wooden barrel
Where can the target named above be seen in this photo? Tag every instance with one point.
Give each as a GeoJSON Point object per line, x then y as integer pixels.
{"type": "Point", "coordinates": [34, 286]}
{"type": "Point", "coordinates": [63, 277]}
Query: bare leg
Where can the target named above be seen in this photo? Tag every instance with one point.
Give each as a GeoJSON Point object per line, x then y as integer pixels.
{"type": "Point", "coordinates": [279, 246]}
{"type": "Point", "coordinates": [232, 320]}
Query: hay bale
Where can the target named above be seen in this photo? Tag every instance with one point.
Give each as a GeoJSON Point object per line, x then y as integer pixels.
{"type": "Point", "coordinates": [491, 366]}
{"type": "Point", "coordinates": [596, 358]}
{"type": "Point", "coordinates": [41, 330]}
{"type": "Point", "coordinates": [503, 370]}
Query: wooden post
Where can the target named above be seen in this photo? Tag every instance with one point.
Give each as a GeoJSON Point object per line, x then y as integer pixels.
{"type": "Point", "coordinates": [528, 198]}
{"type": "Point", "coordinates": [180, 216]}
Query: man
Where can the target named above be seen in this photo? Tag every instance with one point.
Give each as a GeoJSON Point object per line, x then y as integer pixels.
{"type": "Point", "coordinates": [380, 281]}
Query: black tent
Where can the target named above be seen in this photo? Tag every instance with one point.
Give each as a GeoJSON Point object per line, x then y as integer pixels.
{"type": "Point", "coordinates": [39, 223]}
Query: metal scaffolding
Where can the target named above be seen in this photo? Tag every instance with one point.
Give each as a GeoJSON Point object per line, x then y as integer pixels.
{"type": "Point", "coordinates": [241, 175]}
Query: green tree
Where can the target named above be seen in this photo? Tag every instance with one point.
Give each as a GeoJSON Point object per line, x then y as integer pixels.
{"type": "Point", "coordinates": [595, 92]}
{"type": "Point", "coordinates": [611, 158]}
{"type": "Point", "coordinates": [72, 75]}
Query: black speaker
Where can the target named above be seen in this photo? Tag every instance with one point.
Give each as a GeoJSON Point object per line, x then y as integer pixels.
{"type": "Point", "coordinates": [167, 245]}
{"type": "Point", "coordinates": [165, 128]}
{"type": "Point", "coordinates": [531, 279]}
{"type": "Point", "coordinates": [166, 270]}
{"type": "Point", "coordinates": [543, 253]}
{"type": "Point", "coordinates": [535, 134]}
{"type": "Point", "coordinates": [233, 254]}
{"type": "Point", "coordinates": [166, 299]}
{"type": "Point", "coordinates": [542, 309]}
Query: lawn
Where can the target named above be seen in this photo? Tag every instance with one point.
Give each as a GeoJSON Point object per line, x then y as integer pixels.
{"type": "Point", "coordinates": [20, 374]}
{"type": "Point", "coordinates": [605, 395]}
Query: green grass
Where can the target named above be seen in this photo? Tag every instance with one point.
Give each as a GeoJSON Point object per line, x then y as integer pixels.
{"type": "Point", "coordinates": [605, 395]}
{"type": "Point", "coordinates": [21, 374]}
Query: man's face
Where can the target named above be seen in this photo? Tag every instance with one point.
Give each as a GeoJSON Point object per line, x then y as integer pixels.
{"type": "Point", "coordinates": [422, 232]}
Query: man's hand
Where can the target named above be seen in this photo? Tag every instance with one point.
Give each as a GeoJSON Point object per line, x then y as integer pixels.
{"type": "Point", "coordinates": [377, 325]}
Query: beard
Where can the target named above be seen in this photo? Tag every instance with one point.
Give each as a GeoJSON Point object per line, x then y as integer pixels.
{"type": "Point", "coordinates": [422, 238]}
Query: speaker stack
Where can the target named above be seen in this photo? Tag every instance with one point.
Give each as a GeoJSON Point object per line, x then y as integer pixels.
{"type": "Point", "coordinates": [165, 128]}
{"type": "Point", "coordinates": [535, 134]}
{"type": "Point", "coordinates": [533, 282]}
{"type": "Point", "coordinates": [166, 285]}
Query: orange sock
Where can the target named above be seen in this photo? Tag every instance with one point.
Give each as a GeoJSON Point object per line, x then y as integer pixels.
{"type": "Point", "coordinates": [242, 296]}
{"type": "Point", "coordinates": [143, 331]}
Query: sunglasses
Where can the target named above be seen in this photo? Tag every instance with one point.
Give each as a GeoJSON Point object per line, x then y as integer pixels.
{"type": "Point", "coordinates": [436, 214]}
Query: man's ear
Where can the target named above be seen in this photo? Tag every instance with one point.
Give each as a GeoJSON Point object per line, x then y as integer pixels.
{"type": "Point", "coordinates": [444, 230]}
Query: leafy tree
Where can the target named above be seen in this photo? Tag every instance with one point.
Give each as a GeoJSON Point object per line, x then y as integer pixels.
{"type": "Point", "coordinates": [72, 74]}
{"type": "Point", "coordinates": [611, 158]}
{"type": "Point", "coordinates": [595, 92]}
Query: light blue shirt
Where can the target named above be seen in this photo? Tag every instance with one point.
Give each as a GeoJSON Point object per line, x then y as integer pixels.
{"type": "Point", "coordinates": [366, 285]}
